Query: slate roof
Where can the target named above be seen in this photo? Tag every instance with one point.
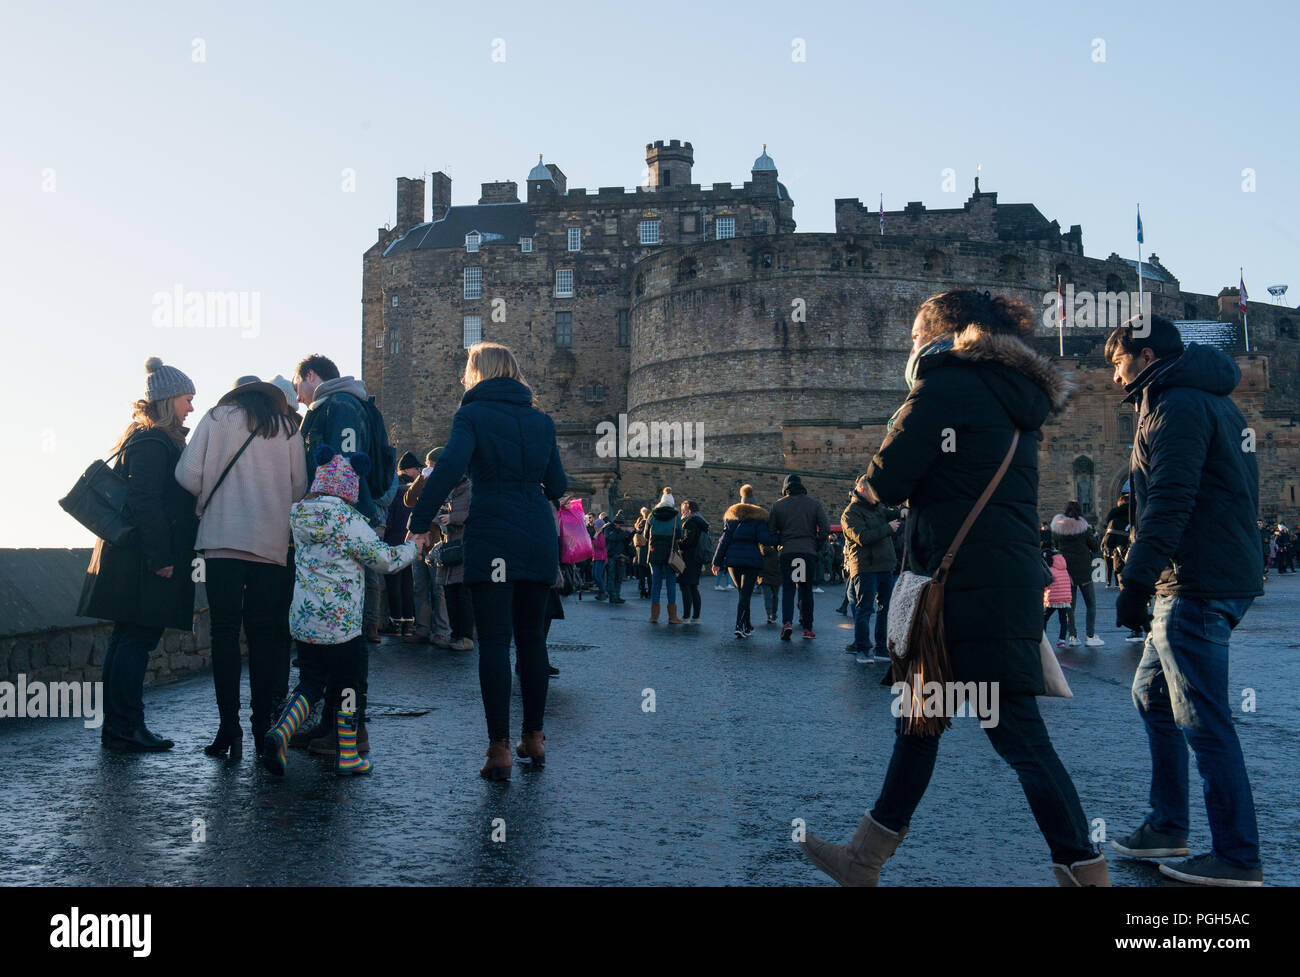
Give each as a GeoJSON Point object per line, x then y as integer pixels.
{"type": "Point", "coordinates": [495, 222]}
{"type": "Point", "coordinates": [1150, 272]}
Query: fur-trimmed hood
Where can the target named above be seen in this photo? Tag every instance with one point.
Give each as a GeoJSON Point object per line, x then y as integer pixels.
{"type": "Point", "coordinates": [977, 345]}
{"type": "Point", "coordinates": [744, 510]}
{"type": "Point", "coordinates": [1063, 525]}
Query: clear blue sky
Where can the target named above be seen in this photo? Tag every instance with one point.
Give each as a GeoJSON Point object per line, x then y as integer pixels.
{"type": "Point", "coordinates": [225, 174]}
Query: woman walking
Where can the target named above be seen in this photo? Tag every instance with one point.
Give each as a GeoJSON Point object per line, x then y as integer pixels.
{"type": "Point", "coordinates": [247, 466]}
{"type": "Point", "coordinates": [511, 549]}
{"type": "Point", "coordinates": [1076, 540]}
{"type": "Point", "coordinates": [972, 369]}
{"type": "Point", "coordinates": [664, 530]}
{"type": "Point", "coordinates": [641, 546]}
{"type": "Point", "coordinates": [694, 526]}
{"type": "Point", "coordinates": [144, 583]}
{"type": "Point", "coordinates": [744, 532]}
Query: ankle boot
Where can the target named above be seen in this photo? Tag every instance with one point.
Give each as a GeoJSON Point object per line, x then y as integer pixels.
{"type": "Point", "coordinates": [1089, 873]}
{"type": "Point", "coordinates": [654, 613]}
{"type": "Point", "coordinates": [229, 737]}
{"type": "Point", "coordinates": [530, 747]}
{"type": "Point", "coordinates": [672, 615]}
{"type": "Point", "coordinates": [498, 763]}
{"type": "Point", "coordinates": [349, 762]}
{"type": "Point", "coordinates": [858, 863]}
{"type": "Point", "coordinates": [276, 741]}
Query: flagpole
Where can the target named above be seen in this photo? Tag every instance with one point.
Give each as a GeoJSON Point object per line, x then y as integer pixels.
{"type": "Point", "coordinates": [1141, 306]}
{"type": "Point", "coordinates": [1245, 316]}
{"type": "Point", "coordinates": [1060, 318]}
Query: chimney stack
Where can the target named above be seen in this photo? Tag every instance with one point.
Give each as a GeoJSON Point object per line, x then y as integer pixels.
{"type": "Point", "coordinates": [410, 203]}
{"type": "Point", "coordinates": [440, 195]}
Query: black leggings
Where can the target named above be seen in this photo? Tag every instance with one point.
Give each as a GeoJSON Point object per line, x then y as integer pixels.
{"type": "Point", "coordinates": [502, 610]}
{"type": "Point", "coordinates": [689, 581]}
{"type": "Point", "coordinates": [745, 579]}
{"type": "Point", "coordinates": [330, 671]}
{"type": "Point", "coordinates": [401, 595]}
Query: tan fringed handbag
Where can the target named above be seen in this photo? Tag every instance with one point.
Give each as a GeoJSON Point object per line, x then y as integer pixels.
{"type": "Point", "coordinates": [917, 646]}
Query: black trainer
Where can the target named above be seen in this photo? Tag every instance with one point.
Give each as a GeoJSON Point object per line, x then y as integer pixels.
{"type": "Point", "coordinates": [1210, 869]}
{"type": "Point", "coordinates": [1147, 842]}
{"type": "Point", "coordinates": [786, 629]}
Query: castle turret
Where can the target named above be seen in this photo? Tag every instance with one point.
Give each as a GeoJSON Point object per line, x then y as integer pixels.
{"type": "Point", "coordinates": [669, 163]}
{"type": "Point", "coordinates": [542, 185]}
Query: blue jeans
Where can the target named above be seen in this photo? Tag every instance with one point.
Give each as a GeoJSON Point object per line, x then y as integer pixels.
{"type": "Point", "coordinates": [598, 572]}
{"type": "Point", "coordinates": [865, 591]}
{"type": "Point", "coordinates": [804, 587]}
{"type": "Point", "coordinates": [659, 572]}
{"type": "Point", "coordinates": [1181, 692]}
{"type": "Point", "coordinates": [125, 662]}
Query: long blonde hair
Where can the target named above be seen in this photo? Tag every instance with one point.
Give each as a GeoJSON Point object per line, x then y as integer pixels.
{"type": "Point", "coordinates": [487, 361]}
{"type": "Point", "coordinates": [147, 414]}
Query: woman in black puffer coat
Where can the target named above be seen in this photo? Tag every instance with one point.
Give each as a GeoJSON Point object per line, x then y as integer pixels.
{"type": "Point", "coordinates": [975, 379]}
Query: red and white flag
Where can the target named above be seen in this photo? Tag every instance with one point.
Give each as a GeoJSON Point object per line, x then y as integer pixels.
{"type": "Point", "coordinates": [1241, 304]}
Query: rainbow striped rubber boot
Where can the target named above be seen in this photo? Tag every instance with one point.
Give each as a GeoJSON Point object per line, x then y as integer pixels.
{"type": "Point", "coordinates": [349, 762]}
{"type": "Point", "coordinates": [276, 742]}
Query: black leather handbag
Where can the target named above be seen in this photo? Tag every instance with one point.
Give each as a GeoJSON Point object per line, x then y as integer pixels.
{"type": "Point", "coordinates": [98, 501]}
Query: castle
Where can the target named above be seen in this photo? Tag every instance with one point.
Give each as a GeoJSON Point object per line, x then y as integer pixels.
{"type": "Point", "coordinates": [701, 308]}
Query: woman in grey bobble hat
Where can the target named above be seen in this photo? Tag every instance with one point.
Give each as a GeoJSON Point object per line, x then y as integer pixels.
{"type": "Point", "coordinates": [144, 584]}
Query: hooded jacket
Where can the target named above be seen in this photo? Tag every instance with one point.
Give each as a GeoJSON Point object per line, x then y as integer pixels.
{"type": "Point", "coordinates": [868, 540]}
{"type": "Point", "coordinates": [664, 523]}
{"type": "Point", "coordinates": [1075, 539]}
{"type": "Point", "coordinates": [337, 417]}
{"type": "Point", "coordinates": [744, 528]}
{"type": "Point", "coordinates": [1194, 490]}
{"type": "Point", "coordinates": [974, 396]}
{"type": "Point", "coordinates": [508, 447]}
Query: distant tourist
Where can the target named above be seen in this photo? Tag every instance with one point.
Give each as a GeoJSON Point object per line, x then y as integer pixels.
{"type": "Point", "coordinates": [799, 522]}
{"type": "Point", "coordinates": [431, 622]}
{"type": "Point", "coordinates": [869, 531]}
{"type": "Point", "coordinates": [974, 375]}
{"type": "Point", "coordinates": [144, 584]}
{"type": "Point", "coordinates": [1076, 540]}
{"type": "Point", "coordinates": [618, 545]}
{"type": "Point", "coordinates": [511, 548]}
{"type": "Point", "coordinates": [641, 548]}
{"type": "Point", "coordinates": [1195, 550]}
{"type": "Point", "coordinates": [400, 585]}
{"type": "Point", "coordinates": [1058, 594]}
{"type": "Point", "coordinates": [694, 526]}
{"type": "Point", "coordinates": [245, 465]}
{"type": "Point", "coordinates": [332, 543]}
{"type": "Point", "coordinates": [744, 529]}
{"type": "Point", "coordinates": [664, 530]}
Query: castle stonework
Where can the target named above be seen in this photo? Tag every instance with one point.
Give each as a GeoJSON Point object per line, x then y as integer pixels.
{"type": "Point", "coordinates": [679, 306]}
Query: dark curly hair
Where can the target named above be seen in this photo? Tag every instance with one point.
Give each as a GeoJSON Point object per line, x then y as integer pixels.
{"type": "Point", "coordinates": [954, 310]}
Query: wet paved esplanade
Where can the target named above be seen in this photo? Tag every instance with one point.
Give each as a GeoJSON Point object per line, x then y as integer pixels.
{"type": "Point", "coordinates": [744, 738]}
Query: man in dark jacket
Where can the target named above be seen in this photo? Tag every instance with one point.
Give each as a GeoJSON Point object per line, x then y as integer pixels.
{"type": "Point", "coordinates": [618, 547]}
{"type": "Point", "coordinates": [799, 522]}
{"type": "Point", "coordinates": [869, 532]}
{"type": "Point", "coordinates": [1195, 548]}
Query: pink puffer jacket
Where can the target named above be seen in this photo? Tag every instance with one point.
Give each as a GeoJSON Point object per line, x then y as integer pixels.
{"type": "Point", "coordinates": [1059, 592]}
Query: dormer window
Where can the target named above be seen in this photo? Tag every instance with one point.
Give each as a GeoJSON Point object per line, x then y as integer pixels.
{"type": "Point", "coordinates": [525, 245]}
{"type": "Point", "coordinates": [472, 240]}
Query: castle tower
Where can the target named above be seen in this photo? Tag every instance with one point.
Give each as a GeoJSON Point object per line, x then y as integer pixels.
{"type": "Point", "coordinates": [669, 163]}
{"type": "Point", "coordinates": [542, 185]}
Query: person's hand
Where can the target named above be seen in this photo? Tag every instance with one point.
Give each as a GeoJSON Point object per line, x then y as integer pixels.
{"type": "Point", "coordinates": [165, 573]}
{"type": "Point", "coordinates": [714, 569]}
{"type": "Point", "coordinates": [421, 540]}
{"type": "Point", "coordinates": [894, 524]}
{"type": "Point", "coordinates": [1131, 607]}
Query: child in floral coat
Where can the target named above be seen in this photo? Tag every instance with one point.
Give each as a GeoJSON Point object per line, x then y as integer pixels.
{"type": "Point", "coordinates": [332, 543]}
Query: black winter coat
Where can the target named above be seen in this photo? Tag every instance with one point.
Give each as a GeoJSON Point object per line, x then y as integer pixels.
{"type": "Point", "coordinates": [121, 584]}
{"type": "Point", "coordinates": [1195, 491]}
{"type": "Point", "coordinates": [508, 446]}
{"type": "Point", "coordinates": [984, 388]}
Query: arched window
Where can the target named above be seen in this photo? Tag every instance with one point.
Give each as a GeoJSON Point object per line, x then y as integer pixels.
{"type": "Point", "coordinates": [1083, 483]}
{"type": "Point", "coordinates": [1126, 425]}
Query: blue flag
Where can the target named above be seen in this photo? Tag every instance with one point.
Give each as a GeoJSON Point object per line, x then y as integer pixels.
{"type": "Point", "coordinates": [1139, 223]}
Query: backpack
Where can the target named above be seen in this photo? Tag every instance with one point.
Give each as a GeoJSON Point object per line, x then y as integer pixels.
{"type": "Point", "coordinates": [383, 457]}
{"type": "Point", "coordinates": [704, 547]}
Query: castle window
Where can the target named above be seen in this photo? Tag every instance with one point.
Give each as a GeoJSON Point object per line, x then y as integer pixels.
{"type": "Point", "coordinates": [564, 283]}
{"type": "Point", "coordinates": [394, 301]}
{"type": "Point", "coordinates": [564, 329]}
{"type": "Point", "coordinates": [649, 232]}
{"type": "Point", "coordinates": [575, 239]}
{"type": "Point", "coordinates": [624, 330]}
{"type": "Point", "coordinates": [1083, 482]}
{"type": "Point", "coordinates": [394, 342]}
{"type": "Point", "coordinates": [473, 283]}
{"type": "Point", "coordinates": [725, 227]}
{"type": "Point", "coordinates": [595, 394]}
{"type": "Point", "coordinates": [766, 259]}
{"type": "Point", "coordinates": [526, 245]}
{"type": "Point", "coordinates": [473, 330]}
{"type": "Point", "coordinates": [640, 284]}
{"type": "Point", "coordinates": [379, 341]}
{"type": "Point", "coordinates": [472, 240]}
{"type": "Point", "coordinates": [1126, 426]}
{"type": "Point", "coordinates": [758, 225]}
{"type": "Point", "coordinates": [665, 177]}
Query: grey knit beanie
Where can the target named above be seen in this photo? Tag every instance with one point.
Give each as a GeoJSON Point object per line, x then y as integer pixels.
{"type": "Point", "coordinates": [165, 382]}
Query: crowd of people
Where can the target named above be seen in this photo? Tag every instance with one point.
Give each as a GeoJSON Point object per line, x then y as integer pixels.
{"type": "Point", "coordinates": [299, 523]}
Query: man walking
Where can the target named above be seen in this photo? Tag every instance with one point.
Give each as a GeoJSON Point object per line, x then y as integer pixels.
{"type": "Point", "coordinates": [1195, 548]}
{"type": "Point", "coordinates": [869, 564]}
{"type": "Point", "coordinates": [799, 522]}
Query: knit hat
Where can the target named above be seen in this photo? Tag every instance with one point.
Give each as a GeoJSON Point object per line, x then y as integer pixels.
{"type": "Point", "coordinates": [285, 386]}
{"type": "Point", "coordinates": [408, 461]}
{"type": "Point", "coordinates": [668, 500]}
{"type": "Point", "coordinates": [791, 483]}
{"type": "Point", "coordinates": [165, 382]}
{"type": "Point", "coordinates": [337, 474]}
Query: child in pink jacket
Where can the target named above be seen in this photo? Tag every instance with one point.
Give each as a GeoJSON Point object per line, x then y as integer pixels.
{"type": "Point", "coordinates": [1056, 595]}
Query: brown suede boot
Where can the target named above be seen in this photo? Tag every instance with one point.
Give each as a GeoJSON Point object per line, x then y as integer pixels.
{"type": "Point", "coordinates": [1086, 874]}
{"type": "Point", "coordinates": [326, 745]}
{"type": "Point", "coordinates": [672, 615]}
{"type": "Point", "coordinates": [858, 863]}
{"type": "Point", "coordinates": [654, 613]}
{"type": "Point", "coordinates": [499, 763]}
{"type": "Point", "coordinates": [530, 747]}
{"type": "Point", "coordinates": [372, 634]}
